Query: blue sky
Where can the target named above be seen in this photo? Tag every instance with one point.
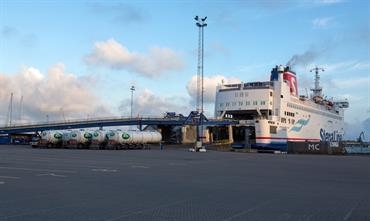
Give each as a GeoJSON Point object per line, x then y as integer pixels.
{"type": "Point", "coordinates": [77, 59]}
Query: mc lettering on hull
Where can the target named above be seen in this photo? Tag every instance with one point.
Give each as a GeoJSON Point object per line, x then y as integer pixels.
{"type": "Point", "coordinates": [313, 146]}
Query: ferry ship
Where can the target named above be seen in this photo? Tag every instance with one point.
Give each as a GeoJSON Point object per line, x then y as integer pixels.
{"type": "Point", "coordinates": [271, 113]}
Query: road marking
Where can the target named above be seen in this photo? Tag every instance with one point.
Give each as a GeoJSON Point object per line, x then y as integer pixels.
{"type": "Point", "coordinates": [242, 213]}
{"type": "Point", "coordinates": [40, 170]}
{"type": "Point", "coordinates": [348, 215]}
{"type": "Point", "coordinates": [139, 166]}
{"type": "Point", "coordinates": [51, 174]}
{"type": "Point", "coordinates": [9, 177]}
{"type": "Point", "coordinates": [146, 210]}
{"type": "Point", "coordinates": [176, 164]}
{"type": "Point", "coordinates": [105, 170]}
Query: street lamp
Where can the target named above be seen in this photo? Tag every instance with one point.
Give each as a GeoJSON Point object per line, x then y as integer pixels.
{"type": "Point", "coordinates": [132, 96]}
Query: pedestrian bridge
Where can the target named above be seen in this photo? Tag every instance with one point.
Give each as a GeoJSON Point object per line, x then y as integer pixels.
{"type": "Point", "coordinates": [114, 121]}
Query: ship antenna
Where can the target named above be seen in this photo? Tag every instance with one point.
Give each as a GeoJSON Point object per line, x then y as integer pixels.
{"type": "Point", "coordinates": [317, 90]}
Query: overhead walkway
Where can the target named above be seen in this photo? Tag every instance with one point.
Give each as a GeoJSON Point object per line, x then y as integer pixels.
{"type": "Point", "coordinates": [192, 119]}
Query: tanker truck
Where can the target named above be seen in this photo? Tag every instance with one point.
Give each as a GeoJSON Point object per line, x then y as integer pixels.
{"type": "Point", "coordinates": [78, 139]}
{"type": "Point", "coordinates": [135, 139]}
{"type": "Point", "coordinates": [99, 139]}
{"type": "Point", "coordinates": [51, 139]}
{"type": "Point", "coordinates": [114, 139]}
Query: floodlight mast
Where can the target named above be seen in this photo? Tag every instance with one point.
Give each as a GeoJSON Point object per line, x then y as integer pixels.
{"type": "Point", "coordinates": [200, 85]}
{"type": "Point", "coordinates": [200, 23]}
{"type": "Point", "coordinates": [132, 89]}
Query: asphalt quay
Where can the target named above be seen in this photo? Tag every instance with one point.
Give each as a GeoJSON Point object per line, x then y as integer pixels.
{"type": "Point", "coordinates": [175, 184]}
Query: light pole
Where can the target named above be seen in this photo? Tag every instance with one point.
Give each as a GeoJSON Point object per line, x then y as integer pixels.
{"type": "Point", "coordinates": [201, 23]}
{"type": "Point", "coordinates": [132, 96]}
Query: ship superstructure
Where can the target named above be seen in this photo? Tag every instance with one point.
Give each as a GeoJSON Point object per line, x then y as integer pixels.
{"type": "Point", "coordinates": [270, 113]}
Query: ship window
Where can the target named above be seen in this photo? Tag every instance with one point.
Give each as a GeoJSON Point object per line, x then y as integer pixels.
{"type": "Point", "coordinates": [248, 103]}
{"type": "Point", "coordinates": [273, 129]}
{"type": "Point", "coordinates": [270, 93]}
{"type": "Point", "coordinates": [240, 103]}
{"type": "Point", "coordinates": [255, 102]}
{"type": "Point", "coordinates": [263, 102]}
{"type": "Point", "coordinates": [246, 94]}
{"type": "Point", "coordinates": [283, 120]}
{"type": "Point", "coordinates": [281, 96]}
{"type": "Point", "coordinates": [241, 94]}
{"type": "Point", "coordinates": [227, 104]}
{"type": "Point", "coordinates": [236, 94]}
{"type": "Point", "coordinates": [293, 121]}
{"type": "Point", "coordinates": [234, 103]}
{"type": "Point", "coordinates": [221, 104]}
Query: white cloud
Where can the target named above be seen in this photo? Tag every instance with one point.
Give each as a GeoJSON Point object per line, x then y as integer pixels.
{"type": "Point", "coordinates": [58, 94]}
{"type": "Point", "coordinates": [146, 103]}
{"type": "Point", "coordinates": [361, 66]}
{"type": "Point", "coordinates": [328, 2]}
{"type": "Point", "coordinates": [352, 82]}
{"type": "Point", "coordinates": [112, 54]}
{"type": "Point", "coordinates": [322, 22]}
{"type": "Point", "coordinates": [354, 129]}
{"type": "Point", "coordinates": [347, 65]}
{"type": "Point", "coordinates": [210, 84]}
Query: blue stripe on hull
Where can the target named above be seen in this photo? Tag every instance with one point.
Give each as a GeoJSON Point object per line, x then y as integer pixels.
{"type": "Point", "coordinates": [270, 146]}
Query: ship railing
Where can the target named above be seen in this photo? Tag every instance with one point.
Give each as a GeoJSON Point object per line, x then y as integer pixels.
{"type": "Point", "coordinates": [249, 85]}
{"type": "Point", "coordinates": [253, 85]}
{"type": "Point", "coordinates": [83, 120]}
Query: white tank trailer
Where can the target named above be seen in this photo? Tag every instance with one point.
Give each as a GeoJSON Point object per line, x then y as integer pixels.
{"type": "Point", "coordinates": [114, 139]}
{"type": "Point", "coordinates": [99, 139]}
{"type": "Point", "coordinates": [51, 139]}
{"type": "Point", "coordinates": [78, 139]}
{"type": "Point", "coordinates": [118, 139]}
{"type": "Point", "coordinates": [140, 137]}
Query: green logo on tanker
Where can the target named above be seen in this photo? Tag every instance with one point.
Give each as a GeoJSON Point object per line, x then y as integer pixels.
{"type": "Point", "coordinates": [87, 135]}
{"type": "Point", "coordinates": [96, 134]}
{"type": "Point", "coordinates": [126, 136]}
{"type": "Point", "coordinates": [58, 135]}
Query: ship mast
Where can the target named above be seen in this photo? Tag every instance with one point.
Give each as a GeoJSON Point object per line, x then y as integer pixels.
{"type": "Point", "coordinates": [317, 90]}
